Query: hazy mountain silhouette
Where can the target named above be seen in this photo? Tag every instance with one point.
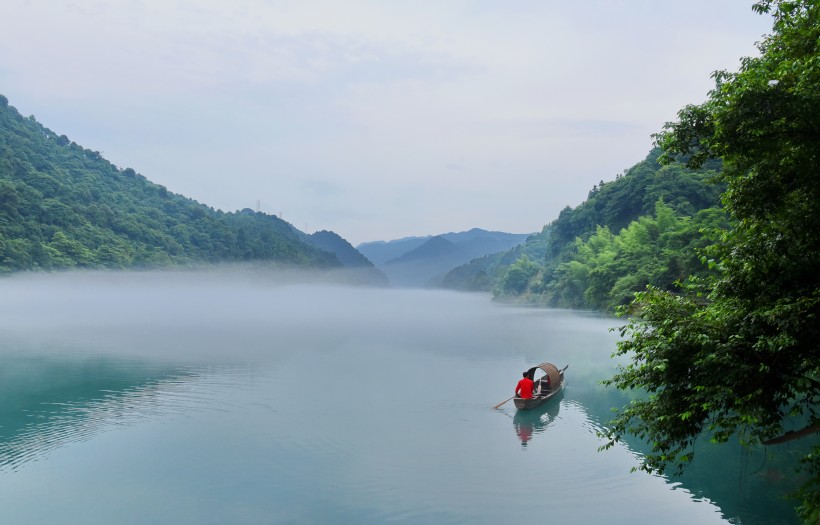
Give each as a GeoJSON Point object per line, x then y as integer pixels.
{"type": "Point", "coordinates": [423, 261]}
{"type": "Point", "coordinates": [332, 242]}
{"type": "Point", "coordinates": [379, 252]}
{"type": "Point", "coordinates": [350, 258]}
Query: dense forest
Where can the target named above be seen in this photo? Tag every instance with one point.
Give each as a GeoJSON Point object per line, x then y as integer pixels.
{"type": "Point", "coordinates": [63, 206]}
{"type": "Point", "coordinates": [735, 354]}
{"type": "Point", "coordinates": [645, 227]}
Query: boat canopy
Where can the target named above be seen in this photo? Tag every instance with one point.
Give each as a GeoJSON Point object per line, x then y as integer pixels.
{"type": "Point", "coordinates": [550, 370]}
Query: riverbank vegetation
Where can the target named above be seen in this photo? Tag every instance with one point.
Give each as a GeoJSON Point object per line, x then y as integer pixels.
{"type": "Point", "coordinates": [736, 352]}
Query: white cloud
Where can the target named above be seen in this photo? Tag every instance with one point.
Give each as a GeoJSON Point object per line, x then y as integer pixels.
{"type": "Point", "coordinates": [420, 117]}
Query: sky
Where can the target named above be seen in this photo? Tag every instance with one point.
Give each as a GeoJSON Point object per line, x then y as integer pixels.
{"type": "Point", "coordinates": [374, 119]}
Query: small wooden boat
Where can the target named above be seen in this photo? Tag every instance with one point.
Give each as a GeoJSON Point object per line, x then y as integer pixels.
{"type": "Point", "coordinates": [545, 387]}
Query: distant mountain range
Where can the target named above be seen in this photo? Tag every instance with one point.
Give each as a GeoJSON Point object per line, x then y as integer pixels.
{"type": "Point", "coordinates": [424, 261]}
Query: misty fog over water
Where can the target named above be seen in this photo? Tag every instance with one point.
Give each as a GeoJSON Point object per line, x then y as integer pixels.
{"type": "Point", "coordinates": [251, 396]}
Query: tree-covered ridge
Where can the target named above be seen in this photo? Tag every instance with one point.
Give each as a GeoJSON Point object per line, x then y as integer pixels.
{"type": "Point", "coordinates": [645, 227]}
{"type": "Point", "coordinates": [632, 195]}
{"type": "Point", "coordinates": [333, 243]}
{"type": "Point", "coordinates": [63, 206]}
{"type": "Point", "coordinates": [736, 355]}
{"type": "Point", "coordinates": [660, 250]}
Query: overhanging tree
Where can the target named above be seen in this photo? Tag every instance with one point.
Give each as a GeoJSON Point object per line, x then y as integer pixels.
{"type": "Point", "coordinates": [739, 354]}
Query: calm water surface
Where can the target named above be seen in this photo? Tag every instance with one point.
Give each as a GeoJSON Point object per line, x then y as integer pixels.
{"type": "Point", "coordinates": [239, 398]}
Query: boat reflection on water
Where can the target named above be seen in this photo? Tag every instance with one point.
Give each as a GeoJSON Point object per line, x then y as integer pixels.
{"type": "Point", "coordinates": [528, 423]}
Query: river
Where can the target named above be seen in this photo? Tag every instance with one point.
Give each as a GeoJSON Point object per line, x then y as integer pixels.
{"type": "Point", "coordinates": [249, 397]}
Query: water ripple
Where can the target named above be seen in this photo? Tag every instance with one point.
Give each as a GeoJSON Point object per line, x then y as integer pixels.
{"type": "Point", "coordinates": [54, 424]}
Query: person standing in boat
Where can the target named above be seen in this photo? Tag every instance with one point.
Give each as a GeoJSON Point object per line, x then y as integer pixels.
{"type": "Point", "coordinates": [524, 387]}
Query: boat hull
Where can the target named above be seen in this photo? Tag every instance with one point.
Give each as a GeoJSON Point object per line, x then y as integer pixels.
{"type": "Point", "coordinates": [537, 401]}
{"type": "Point", "coordinates": [541, 398]}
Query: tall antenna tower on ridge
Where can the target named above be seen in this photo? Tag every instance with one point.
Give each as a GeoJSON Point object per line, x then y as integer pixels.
{"type": "Point", "coordinates": [258, 205]}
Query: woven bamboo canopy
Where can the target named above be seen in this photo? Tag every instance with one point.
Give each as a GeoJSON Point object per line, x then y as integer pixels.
{"type": "Point", "coordinates": [550, 370]}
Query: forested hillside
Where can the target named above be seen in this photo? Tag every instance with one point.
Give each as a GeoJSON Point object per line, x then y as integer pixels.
{"type": "Point", "coordinates": [735, 355]}
{"type": "Point", "coordinates": [63, 206]}
{"type": "Point", "coordinates": [331, 242]}
{"type": "Point", "coordinates": [645, 227]}
{"type": "Point", "coordinates": [359, 269]}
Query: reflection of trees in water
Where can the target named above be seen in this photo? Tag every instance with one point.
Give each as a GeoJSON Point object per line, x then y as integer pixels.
{"type": "Point", "coordinates": [528, 423]}
{"type": "Point", "coordinates": [749, 485]}
{"type": "Point", "coordinates": [51, 401]}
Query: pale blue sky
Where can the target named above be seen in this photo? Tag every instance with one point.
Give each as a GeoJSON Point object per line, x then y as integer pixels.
{"type": "Point", "coordinates": [375, 119]}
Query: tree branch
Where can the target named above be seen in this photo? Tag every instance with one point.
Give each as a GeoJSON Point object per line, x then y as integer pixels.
{"type": "Point", "coordinates": [793, 434]}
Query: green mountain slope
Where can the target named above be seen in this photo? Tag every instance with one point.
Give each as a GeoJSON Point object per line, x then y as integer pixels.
{"type": "Point", "coordinates": [644, 227]}
{"type": "Point", "coordinates": [358, 268]}
{"type": "Point", "coordinates": [332, 242]}
{"type": "Point", "coordinates": [63, 206]}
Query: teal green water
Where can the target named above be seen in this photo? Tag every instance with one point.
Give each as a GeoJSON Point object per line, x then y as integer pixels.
{"type": "Point", "coordinates": [242, 398]}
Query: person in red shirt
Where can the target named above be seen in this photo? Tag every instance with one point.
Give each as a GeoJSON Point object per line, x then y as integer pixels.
{"type": "Point", "coordinates": [524, 387]}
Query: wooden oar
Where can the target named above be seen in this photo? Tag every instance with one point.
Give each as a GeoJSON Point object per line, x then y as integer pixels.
{"type": "Point", "coordinates": [498, 405]}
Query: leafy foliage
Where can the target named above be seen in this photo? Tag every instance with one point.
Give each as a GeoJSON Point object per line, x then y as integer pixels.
{"type": "Point", "coordinates": [645, 227]}
{"type": "Point", "coordinates": [63, 206]}
{"type": "Point", "coordinates": [607, 270]}
{"type": "Point", "coordinates": [518, 276]}
{"type": "Point", "coordinates": [739, 353]}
